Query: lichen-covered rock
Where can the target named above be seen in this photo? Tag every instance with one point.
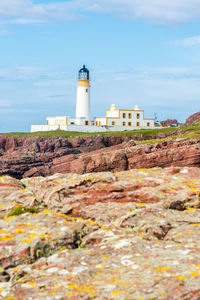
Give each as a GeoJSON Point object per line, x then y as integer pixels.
{"type": "Point", "coordinates": [127, 235]}
{"type": "Point", "coordinates": [77, 194]}
{"type": "Point", "coordinates": [27, 237]}
{"type": "Point", "coordinates": [14, 194]}
{"type": "Point", "coordinates": [124, 265]}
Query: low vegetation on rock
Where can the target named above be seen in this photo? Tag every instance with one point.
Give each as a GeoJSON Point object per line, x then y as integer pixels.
{"type": "Point", "coordinates": [20, 210]}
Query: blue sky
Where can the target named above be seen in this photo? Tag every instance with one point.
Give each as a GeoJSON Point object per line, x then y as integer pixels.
{"type": "Point", "coordinates": [144, 52]}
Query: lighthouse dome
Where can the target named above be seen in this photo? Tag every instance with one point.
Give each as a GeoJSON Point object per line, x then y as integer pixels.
{"type": "Point", "coordinates": [83, 73]}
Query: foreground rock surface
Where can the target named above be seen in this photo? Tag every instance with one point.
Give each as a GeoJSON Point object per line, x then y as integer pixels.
{"type": "Point", "coordinates": [126, 235]}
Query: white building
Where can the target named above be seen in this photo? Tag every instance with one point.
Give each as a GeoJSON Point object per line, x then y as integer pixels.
{"type": "Point", "coordinates": [124, 118]}
{"type": "Point", "coordinates": [115, 119]}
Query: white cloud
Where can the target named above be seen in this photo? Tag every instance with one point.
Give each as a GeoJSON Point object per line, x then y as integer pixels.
{"type": "Point", "coordinates": [26, 12]}
{"type": "Point", "coordinates": [154, 11]}
{"type": "Point", "coordinates": [188, 42]}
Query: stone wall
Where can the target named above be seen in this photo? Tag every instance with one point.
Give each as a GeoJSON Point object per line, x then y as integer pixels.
{"type": "Point", "coordinates": [36, 128]}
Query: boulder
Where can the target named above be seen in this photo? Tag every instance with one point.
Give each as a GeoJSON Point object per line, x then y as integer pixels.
{"type": "Point", "coordinates": [169, 122]}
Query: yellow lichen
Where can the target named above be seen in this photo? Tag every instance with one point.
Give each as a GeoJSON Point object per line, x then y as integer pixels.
{"type": "Point", "coordinates": [180, 278]}
{"type": "Point", "coordinates": [31, 283]}
{"type": "Point", "coordinates": [19, 230]}
{"type": "Point", "coordinates": [161, 269]}
{"type": "Point", "coordinates": [115, 293]}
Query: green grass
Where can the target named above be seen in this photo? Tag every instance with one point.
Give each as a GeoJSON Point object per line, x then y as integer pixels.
{"type": "Point", "coordinates": [47, 134]}
{"type": "Point", "coordinates": [189, 132]}
{"type": "Point", "coordinates": [59, 133]}
{"type": "Point", "coordinates": [20, 210]}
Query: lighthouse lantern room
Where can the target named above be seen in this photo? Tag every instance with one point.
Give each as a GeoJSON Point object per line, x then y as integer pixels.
{"type": "Point", "coordinates": [83, 95]}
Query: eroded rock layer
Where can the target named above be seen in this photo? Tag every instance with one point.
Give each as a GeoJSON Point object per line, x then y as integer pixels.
{"type": "Point", "coordinates": [113, 235]}
{"type": "Point", "coordinates": [44, 157]}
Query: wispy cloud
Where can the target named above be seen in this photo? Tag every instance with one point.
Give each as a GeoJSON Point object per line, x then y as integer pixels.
{"type": "Point", "coordinates": [26, 12]}
{"type": "Point", "coordinates": [4, 103]}
{"type": "Point", "coordinates": [154, 11]}
{"type": "Point", "coordinates": [22, 73]}
{"type": "Point", "coordinates": [188, 42]}
{"type": "Point", "coordinates": [147, 73]}
{"type": "Point", "coordinates": [4, 31]}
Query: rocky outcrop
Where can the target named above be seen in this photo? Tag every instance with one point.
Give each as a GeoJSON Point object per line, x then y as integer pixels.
{"type": "Point", "coordinates": [193, 119]}
{"type": "Point", "coordinates": [44, 157]}
{"type": "Point", "coordinates": [131, 234]}
{"type": "Point", "coordinates": [169, 122]}
{"type": "Point", "coordinates": [128, 156]}
{"type": "Point", "coordinates": [56, 144]}
{"type": "Point", "coordinates": [18, 155]}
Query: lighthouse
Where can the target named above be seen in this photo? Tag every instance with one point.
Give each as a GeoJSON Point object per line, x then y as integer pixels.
{"type": "Point", "coordinates": [116, 119]}
{"type": "Point", "coordinates": [83, 95]}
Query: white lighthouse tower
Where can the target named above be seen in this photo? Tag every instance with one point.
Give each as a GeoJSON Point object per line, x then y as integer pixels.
{"type": "Point", "coordinates": [83, 95]}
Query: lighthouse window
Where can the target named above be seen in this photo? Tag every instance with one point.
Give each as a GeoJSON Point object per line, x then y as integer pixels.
{"type": "Point", "coordinates": [124, 116]}
{"type": "Point", "coordinates": [129, 115]}
{"type": "Point", "coordinates": [86, 90]}
{"type": "Point", "coordinates": [138, 116]}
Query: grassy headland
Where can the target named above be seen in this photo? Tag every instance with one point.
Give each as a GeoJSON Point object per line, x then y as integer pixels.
{"type": "Point", "coordinates": [190, 132]}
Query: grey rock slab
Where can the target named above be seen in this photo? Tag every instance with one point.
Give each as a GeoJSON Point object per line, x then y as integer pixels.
{"type": "Point", "coordinates": [25, 238]}
{"type": "Point", "coordinates": [123, 266]}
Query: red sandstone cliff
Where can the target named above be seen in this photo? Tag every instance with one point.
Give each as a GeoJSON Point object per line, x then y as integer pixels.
{"type": "Point", "coordinates": [41, 157]}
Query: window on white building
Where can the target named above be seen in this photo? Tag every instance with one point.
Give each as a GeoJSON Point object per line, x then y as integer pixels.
{"type": "Point", "coordinates": [123, 123]}
{"type": "Point", "coordinates": [129, 115]}
{"type": "Point", "coordinates": [148, 124]}
{"type": "Point", "coordinates": [138, 123]}
{"type": "Point", "coordinates": [129, 123]}
{"type": "Point", "coordinates": [124, 116]}
{"type": "Point", "coordinates": [138, 116]}
{"type": "Point", "coordinates": [113, 123]}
